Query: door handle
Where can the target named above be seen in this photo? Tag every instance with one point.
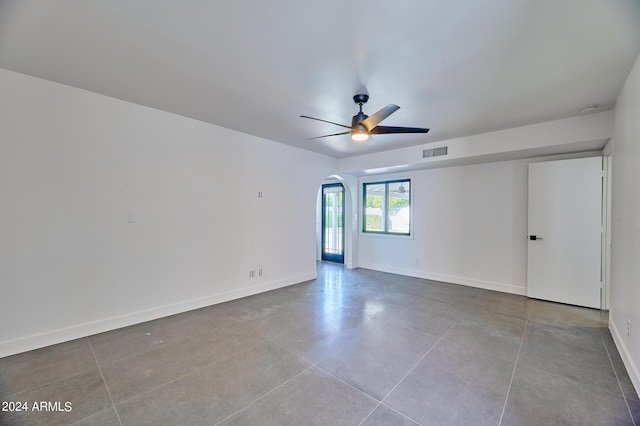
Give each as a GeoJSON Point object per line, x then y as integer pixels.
{"type": "Point", "coordinates": [534, 238]}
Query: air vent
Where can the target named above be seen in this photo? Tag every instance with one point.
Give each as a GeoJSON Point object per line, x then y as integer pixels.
{"type": "Point", "coordinates": [435, 152]}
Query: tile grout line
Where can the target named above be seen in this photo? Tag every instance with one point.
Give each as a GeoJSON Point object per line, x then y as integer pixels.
{"type": "Point", "coordinates": [618, 380]}
{"type": "Point", "coordinates": [583, 384]}
{"type": "Point", "coordinates": [403, 415]}
{"type": "Point", "coordinates": [311, 366]}
{"type": "Point", "coordinates": [577, 382]}
{"type": "Point", "coordinates": [405, 376]}
{"type": "Point", "coordinates": [370, 413]}
{"type": "Point", "coordinates": [316, 365]}
{"type": "Point", "coordinates": [380, 402]}
{"type": "Point", "coordinates": [196, 335]}
{"type": "Point", "coordinates": [311, 363]}
{"type": "Point", "coordinates": [46, 384]}
{"type": "Point", "coordinates": [392, 409]}
{"type": "Point", "coordinates": [168, 345]}
{"type": "Point", "coordinates": [104, 381]}
{"type": "Point", "coordinates": [191, 373]}
{"type": "Point", "coordinates": [89, 416]}
{"type": "Point", "coordinates": [264, 396]}
{"type": "Point", "coordinates": [345, 382]}
{"type": "Point", "coordinates": [418, 362]}
{"type": "Point", "coordinates": [513, 374]}
{"type": "Point", "coordinates": [296, 328]}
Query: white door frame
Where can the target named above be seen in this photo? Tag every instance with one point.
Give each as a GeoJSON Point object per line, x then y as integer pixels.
{"type": "Point", "coordinates": [607, 162]}
{"type": "Point", "coordinates": [556, 268]}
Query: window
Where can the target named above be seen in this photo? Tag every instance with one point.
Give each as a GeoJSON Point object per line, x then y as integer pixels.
{"type": "Point", "coordinates": [387, 207]}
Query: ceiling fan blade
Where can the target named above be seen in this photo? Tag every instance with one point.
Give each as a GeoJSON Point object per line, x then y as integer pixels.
{"type": "Point", "coordinates": [381, 130]}
{"type": "Point", "coordinates": [330, 122]}
{"type": "Point", "coordinates": [375, 119]}
{"type": "Point", "coordinates": [333, 134]}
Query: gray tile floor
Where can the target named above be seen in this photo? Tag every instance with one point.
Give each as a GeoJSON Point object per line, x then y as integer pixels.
{"type": "Point", "coordinates": [353, 347]}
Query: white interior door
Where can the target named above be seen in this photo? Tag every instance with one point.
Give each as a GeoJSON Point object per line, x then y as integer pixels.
{"type": "Point", "coordinates": [565, 231]}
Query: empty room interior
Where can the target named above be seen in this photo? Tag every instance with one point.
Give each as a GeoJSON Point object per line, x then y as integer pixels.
{"type": "Point", "coordinates": [329, 213]}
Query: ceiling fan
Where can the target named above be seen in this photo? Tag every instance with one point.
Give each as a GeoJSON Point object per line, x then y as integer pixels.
{"type": "Point", "coordinates": [363, 125]}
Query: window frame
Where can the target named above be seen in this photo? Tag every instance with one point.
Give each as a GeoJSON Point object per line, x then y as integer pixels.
{"type": "Point", "coordinates": [385, 208]}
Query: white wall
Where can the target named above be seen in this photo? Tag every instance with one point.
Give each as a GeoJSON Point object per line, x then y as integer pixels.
{"type": "Point", "coordinates": [625, 250]}
{"type": "Point", "coordinates": [469, 227]}
{"type": "Point", "coordinates": [74, 163]}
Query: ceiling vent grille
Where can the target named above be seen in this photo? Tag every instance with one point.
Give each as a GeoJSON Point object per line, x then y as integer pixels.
{"type": "Point", "coordinates": [435, 152]}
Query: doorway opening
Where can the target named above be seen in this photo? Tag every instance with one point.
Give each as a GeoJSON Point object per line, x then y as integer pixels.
{"type": "Point", "coordinates": [333, 224]}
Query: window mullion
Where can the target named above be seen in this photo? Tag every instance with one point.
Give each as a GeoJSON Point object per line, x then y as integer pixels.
{"type": "Point", "coordinates": [385, 209]}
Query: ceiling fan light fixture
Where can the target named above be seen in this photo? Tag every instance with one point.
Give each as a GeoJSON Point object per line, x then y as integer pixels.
{"type": "Point", "coordinates": [359, 133]}
{"type": "Point", "coordinates": [363, 125]}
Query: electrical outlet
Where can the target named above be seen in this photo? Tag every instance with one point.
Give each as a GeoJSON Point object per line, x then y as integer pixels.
{"type": "Point", "coordinates": [629, 328]}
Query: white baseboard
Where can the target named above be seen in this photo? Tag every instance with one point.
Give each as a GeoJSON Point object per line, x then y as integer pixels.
{"type": "Point", "coordinates": [471, 282]}
{"type": "Point", "coordinates": [627, 359]}
{"type": "Point", "coordinates": [53, 337]}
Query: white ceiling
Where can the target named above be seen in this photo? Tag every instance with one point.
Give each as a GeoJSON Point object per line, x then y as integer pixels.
{"type": "Point", "coordinates": [459, 67]}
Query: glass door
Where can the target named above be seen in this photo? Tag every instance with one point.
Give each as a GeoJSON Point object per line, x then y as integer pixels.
{"type": "Point", "coordinates": [333, 222]}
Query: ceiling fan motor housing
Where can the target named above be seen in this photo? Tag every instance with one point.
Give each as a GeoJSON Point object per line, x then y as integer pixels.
{"type": "Point", "coordinates": [361, 98]}
{"type": "Point", "coordinates": [358, 118]}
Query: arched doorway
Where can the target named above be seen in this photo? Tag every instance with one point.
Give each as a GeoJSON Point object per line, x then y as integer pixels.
{"type": "Point", "coordinates": [348, 227]}
{"type": "Point", "coordinates": [332, 234]}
